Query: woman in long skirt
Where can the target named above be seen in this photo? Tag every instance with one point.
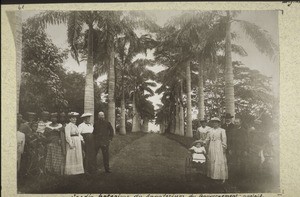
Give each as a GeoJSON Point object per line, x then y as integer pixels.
{"type": "Point", "coordinates": [74, 161]}
{"type": "Point", "coordinates": [54, 156]}
{"type": "Point", "coordinates": [217, 162]}
{"type": "Point", "coordinates": [62, 120]}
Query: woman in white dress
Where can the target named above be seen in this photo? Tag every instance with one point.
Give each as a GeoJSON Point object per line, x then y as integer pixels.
{"type": "Point", "coordinates": [74, 162]}
{"type": "Point", "coordinates": [217, 162]}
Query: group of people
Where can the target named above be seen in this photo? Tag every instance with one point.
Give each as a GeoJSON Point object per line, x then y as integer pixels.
{"type": "Point", "coordinates": [226, 147]}
{"type": "Point", "coordinates": [60, 147]}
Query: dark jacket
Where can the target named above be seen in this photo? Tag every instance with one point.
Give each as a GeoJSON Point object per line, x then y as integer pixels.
{"type": "Point", "coordinates": [228, 127]}
{"type": "Point", "coordinates": [103, 132]}
{"type": "Point", "coordinates": [238, 140]}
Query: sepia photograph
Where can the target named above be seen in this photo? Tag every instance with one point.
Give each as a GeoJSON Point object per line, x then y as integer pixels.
{"type": "Point", "coordinates": [147, 101]}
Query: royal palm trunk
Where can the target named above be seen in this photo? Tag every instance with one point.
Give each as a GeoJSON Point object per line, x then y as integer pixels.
{"type": "Point", "coordinates": [189, 130]}
{"type": "Point", "coordinates": [89, 79]}
{"type": "Point", "coordinates": [111, 86]}
{"type": "Point", "coordinates": [146, 125]}
{"type": "Point", "coordinates": [200, 91]}
{"type": "Point", "coordinates": [181, 112]}
{"type": "Point", "coordinates": [229, 88]}
{"type": "Point", "coordinates": [123, 115]}
{"type": "Point", "coordinates": [177, 120]}
{"type": "Point", "coordinates": [136, 127]}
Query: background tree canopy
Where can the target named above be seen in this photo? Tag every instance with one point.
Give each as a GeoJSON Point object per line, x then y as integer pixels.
{"type": "Point", "coordinates": [45, 84]}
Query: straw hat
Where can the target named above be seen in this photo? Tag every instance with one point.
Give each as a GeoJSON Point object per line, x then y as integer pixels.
{"type": "Point", "coordinates": [73, 114]}
{"type": "Point", "coordinates": [86, 115]}
{"type": "Point", "coordinates": [215, 119]}
{"type": "Point", "coordinates": [198, 141]}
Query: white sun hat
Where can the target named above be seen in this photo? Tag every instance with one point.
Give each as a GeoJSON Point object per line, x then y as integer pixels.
{"type": "Point", "coordinates": [215, 119]}
{"type": "Point", "coordinates": [73, 114]}
{"type": "Point", "coordinates": [86, 115]}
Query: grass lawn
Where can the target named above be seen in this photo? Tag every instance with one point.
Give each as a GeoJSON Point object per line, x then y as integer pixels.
{"type": "Point", "coordinates": [255, 180]}
{"type": "Point", "coordinates": [184, 141]}
{"type": "Point", "coordinates": [45, 183]}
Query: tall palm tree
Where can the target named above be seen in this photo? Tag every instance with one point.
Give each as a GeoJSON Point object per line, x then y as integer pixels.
{"type": "Point", "coordinates": [115, 24]}
{"type": "Point", "coordinates": [172, 80]}
{"type": "Point", "coordinates": [139, 77]}
{"type": "Point", "coordinates": [258, 36]}
{"type": "Point", "coordinates": [189, 34]}
{"type": "Point", "coordinates": [75, 20]}
{"type": "Point", "coordinates": [127, 47]}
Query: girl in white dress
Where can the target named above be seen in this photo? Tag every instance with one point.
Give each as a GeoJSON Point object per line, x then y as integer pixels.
{"type": "Point", "coordinates": [74, 162]}
{"type": "Point", "coordinates": [198, 152]}
{"type": "Point", "coordinates": [217, 162]}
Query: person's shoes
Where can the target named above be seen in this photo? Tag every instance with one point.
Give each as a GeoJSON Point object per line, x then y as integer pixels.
{"type": "Point", "coordinates": [108, 171]}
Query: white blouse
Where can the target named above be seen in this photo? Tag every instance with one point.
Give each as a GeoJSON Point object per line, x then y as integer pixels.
{"type": "Point", "coordinates": [85, 128]}
{"type": "Point", "coordinates": [71, 130]}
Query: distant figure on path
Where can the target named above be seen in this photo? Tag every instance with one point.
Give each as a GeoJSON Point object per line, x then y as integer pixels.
{"type": "Point", "coordinates": [103, 134]}
{"type": "Point", "coordinates": [217, 162]}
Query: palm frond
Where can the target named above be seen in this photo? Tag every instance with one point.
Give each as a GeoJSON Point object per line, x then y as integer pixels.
{"type": "Point", "coordinates": [261, 38]}
{"type": "Point", "coordinates": [49, 17]}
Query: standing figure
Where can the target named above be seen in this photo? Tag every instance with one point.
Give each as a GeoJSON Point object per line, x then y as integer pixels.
{"type": "Point", "coordinates": [202, 131]}
{"type": "Point", "coordinates": [238, 150]}
{"type": "Point", "coordinates": [20, 148]}
{"type": "Point", "coordinates": [103, 133]}
{"type": "Point", "coordinates": [43, 123]}
{"type": "Point", "coordinates": [54, 157]}
{"type": "Point", "coordinates": [31, 117]}
{"type": "Point", "coordinates": [63, 121]}
{"type": "Point", "coordinates": [86, 130]}
{"type": "Point", "coordinates": [23, 127]}
{"type": "Point", "coordinates": [228, 126]}
{"type": "Point", "coordinates": [74, 162]}
{"type": "Point", "coordinates": [217, 162]}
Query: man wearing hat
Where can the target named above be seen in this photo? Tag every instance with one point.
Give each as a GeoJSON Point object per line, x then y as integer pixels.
{"type": "Point", "coordinates": [43, 123]}
{"type": "Point", "coordinates": [86, 130]}
{"type": "Point", "coordinates": [228, 126]}
{"type": "Point", "coordinates": [103, 134]}
{"type": "Point", "coordinates": [239, 149]}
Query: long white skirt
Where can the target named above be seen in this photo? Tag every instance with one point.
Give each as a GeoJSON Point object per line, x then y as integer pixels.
{"type": "Point", "coordinates": [74, 162]}
{"type": "Point", "coordinates": [217, 162]}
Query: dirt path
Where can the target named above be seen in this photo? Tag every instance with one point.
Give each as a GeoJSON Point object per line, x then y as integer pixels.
{"type": "Point", "coordinates": [151, 164]}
